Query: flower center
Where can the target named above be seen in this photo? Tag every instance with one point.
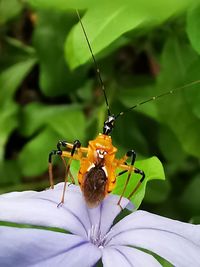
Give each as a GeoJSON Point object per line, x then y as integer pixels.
{"type": "Point", "coordinates": [95, 236]}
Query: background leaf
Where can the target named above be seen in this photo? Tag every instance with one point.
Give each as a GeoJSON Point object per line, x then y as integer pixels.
{"type": "Point", "coordinates": [193, 22]}
{"type": "Point", "coordinates": [153, 170]}
{"type": "Point", "coordinates": [67, 121]}
{"type": "Point", "coordinates": [9, 9]}
{"type": "Point", "coordinates": [38, 148]}
{"type": "Point", "coordinates": [179, 57]}
{"type": "Point", "coordinates": [60, 5]}
{"type": "Point", "coordinates": [102, 33]}
{"type": "Point", "coordinates": [8, 122]}
{"type": "Point", "coordinates": [11, 78]}
{"type": "Point", "coordinates": [190, 198]}
{"type": "Point", "coordinates": [50, 33]}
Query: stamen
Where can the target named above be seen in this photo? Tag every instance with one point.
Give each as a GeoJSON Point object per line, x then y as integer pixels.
{"type": "Point", "coordinates": [96, 238]}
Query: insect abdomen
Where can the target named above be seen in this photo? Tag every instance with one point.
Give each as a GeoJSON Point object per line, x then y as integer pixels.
{"type": "Point", "coordinates": [94, 186]}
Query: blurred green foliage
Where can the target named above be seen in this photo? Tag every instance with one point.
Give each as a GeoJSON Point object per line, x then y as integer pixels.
{"type": "Point", "coordinates": [49, 91]}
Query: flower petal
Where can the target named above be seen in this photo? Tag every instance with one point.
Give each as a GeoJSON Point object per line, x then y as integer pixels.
{"type": "Point", "coordinates": [177, 242]}
{"type": "Point", "coordinates": [40, 208]}
{"type": "Point", "coordinates": [103, 215]}
{"type": "Point", "coordinates": [143, 219]}
{"type": "Point", "coordinates": [25, 247]}
{"type": "Point", "coordinates": [126, 256]}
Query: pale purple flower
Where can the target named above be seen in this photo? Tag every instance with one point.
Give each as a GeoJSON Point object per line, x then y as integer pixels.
{"type": "Point", "coordinates": [90, 234]}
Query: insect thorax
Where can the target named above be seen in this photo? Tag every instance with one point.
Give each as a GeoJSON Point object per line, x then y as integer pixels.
{"type": "Point", "coordinates": [102, 143]}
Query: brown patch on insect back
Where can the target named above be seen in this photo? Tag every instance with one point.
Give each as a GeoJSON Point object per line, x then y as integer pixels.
{"type": "Point", "coordinates": [94, 186]}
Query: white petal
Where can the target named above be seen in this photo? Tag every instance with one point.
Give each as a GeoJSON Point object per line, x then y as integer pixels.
{"type": "Point", "coordinates": [143, 219]}
{"type": "Point", "coordinates": [175, 241]}
{"type": "Point", "coordinates": [104, 215]}
{"type": "Point", "coordinates": [111, 257]}
{"type": "Point", "coordinates": [28, 193]}
{"type": "Point", "coordinates": [40, 208]}
{"type": "Point", "coordinates": [126, 256]}
{"type": "Point", "coordinates": [34, 247]}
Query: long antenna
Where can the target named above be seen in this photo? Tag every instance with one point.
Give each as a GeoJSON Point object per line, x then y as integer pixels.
{"type": "Point", "coordinates": [156, 97]}
{"type": "Point", "coordinates": [95, 63]}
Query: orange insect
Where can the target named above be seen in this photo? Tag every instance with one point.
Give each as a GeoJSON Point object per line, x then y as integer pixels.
{"type": "Point", "coordinates": [98, 163]}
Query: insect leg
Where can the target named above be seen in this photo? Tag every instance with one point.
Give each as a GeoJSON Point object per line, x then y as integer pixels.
{"type": "Point", "coordinates": [132, 154]}
{"type": "Point", "coordinates": [66, 145]}
{"type": "Point", "coordinates": [51, 154]}
{"type": "Point", "coordinates": [76, 145]}
{"type": "Point", "coordinates": [128, 154]}
{"type": "Point", "coordinates": [73, 147]}
{"type": "Point", "coordinates": [70, 174]}
{"type": "Point", "coordinates": [59, 152]}
{"type": "Point", "coordinates": [139, 183]}
{"type": "Point", "coordinates": [120, 173]}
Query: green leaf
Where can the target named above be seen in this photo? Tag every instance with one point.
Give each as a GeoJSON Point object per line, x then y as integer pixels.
{"type": "Point", "coordinates": [190, 199]}
{"type": "Point", "coordinates": [37, 185]}
{"type": "Point", "coordinates": [157, 192]}
{"type": "Point", "coordinates": [20, 46]}
{"type": "Point", "coordinates": [74, 168]}
{"type": "Point", "coordinates": [12, 77]}
{"type": "Point", "coordinates": [70, 125]}
{"type": "Point", "coordinates": [106, 21]}
{"type": "Point", "coordinates": [9, 173]}
{"type": "Point", "coordinates": [195, 220]}
{"type": "Point", "coordinates": [136, 95]}
{"type": "Point", "coordinates": [8, 122]}
{"type": "Point", "coordinates": [67, 121]}
{"type": "Point", "coordinates": [9, 9]}
{"type": "Point", "coordinates": [54, 123]}
{"type": "Point", "coordinates": [179, 117]}
{"type": "Point", "coordinates": [152, 168]}
{"type": "Point", "coordinates": [10, 80]}
{"type": "Point", "coordinates": [33, 158]}
{"type": "Point", "coordinates": [193, 93]}
{"type": "Point", "coordinates": [14, 51]}
{"type": "Point", "coordinates": [170, 145]}
{"type": "Point", "coordinates": [49, 36]}
{"type": "Point", "coordinates": [127, 134]}
{"type": "Point", "coordinates": [162, 261]}
{"type": "Point", "coordinates": [30, 226]}
{"type": "Point", "coordinates": [60, 5]}
{"type": "Point", "coordinates": [193, 24]}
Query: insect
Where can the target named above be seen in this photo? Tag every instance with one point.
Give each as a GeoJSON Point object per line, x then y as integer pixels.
{"type": "Point", "coordinates": [98, 162]}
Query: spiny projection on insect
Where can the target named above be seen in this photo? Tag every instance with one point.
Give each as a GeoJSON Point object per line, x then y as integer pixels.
{"type": "Point", "coordinates": [98, 163]}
